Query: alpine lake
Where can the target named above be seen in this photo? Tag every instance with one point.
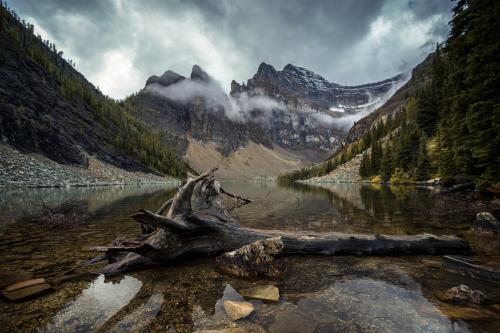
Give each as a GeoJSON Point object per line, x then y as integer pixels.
{"type": "Point", "coordinates": [317, 293]}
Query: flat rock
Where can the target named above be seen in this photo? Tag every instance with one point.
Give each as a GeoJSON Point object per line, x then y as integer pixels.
{"type": "Point", "coordinates": [266, 293]}
{"type": "Point", "coordinates": [238, 310]}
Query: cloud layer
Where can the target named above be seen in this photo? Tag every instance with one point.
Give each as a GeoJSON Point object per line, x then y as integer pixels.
{"type": "Point", "coordinates": [118, 44]}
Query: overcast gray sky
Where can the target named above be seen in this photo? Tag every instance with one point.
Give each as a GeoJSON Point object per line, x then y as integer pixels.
{"type": "Point", "coordinates": [118, 44]}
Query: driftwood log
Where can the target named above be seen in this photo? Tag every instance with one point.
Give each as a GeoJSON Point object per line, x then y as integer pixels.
{"type": "Point", "coordinates": [196, 223]}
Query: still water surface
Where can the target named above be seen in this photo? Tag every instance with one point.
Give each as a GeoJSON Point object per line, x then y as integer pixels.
{"type": "Point", "coordinates": [318, 294]}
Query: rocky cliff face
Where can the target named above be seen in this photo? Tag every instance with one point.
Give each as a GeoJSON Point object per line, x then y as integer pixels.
{"type": "Point", "coordinates": [293, 108]}
{"type": "Point", "coordinates": [188, 107]}
{"type": "Point", "coordinates": [299, 87]}
{"type": "Point", "coordinates": [35, 117]}
{"type": "Point", "coordinates": [49, 108]}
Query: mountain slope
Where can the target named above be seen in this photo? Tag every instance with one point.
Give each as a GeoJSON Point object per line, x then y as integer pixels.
{"type": "Point", "coordinates": [358, 139]}
{"type": "Point", "coordinates": [48, 108]}
{"type": "Point", "coordinates": [195, 110]}
{"type": "Point", "coordinates": [445, 122]}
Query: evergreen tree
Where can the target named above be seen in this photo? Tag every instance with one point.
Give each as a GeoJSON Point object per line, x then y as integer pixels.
{"type": "Point", "coordinates": [427, 110]}
{"type": "Point", "coordinates": [472, 86]}
{"type": "Point", "coordinates": [375, 157]}
{"type": "Point", "coordinates": [423, 162]}
{"type": "Point", "coordinates": [386, 166]}
{"type": "Point", "coordinates": [364, 169]}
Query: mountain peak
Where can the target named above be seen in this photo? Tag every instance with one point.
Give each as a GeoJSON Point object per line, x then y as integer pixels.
{"type": "Point", "coordinates": [197, 73]}
{"type": "Point", "coordinates": [290, 67]}
{"type": "Point", "coordinates": [168, 78]}
{"type": "Point", "coordinates": [304, 73]}
{"type": "Point", "coordinates": [266, 69]}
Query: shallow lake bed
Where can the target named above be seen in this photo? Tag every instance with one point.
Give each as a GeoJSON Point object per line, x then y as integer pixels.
{"type": "Point", "coordinates": [318, 294]}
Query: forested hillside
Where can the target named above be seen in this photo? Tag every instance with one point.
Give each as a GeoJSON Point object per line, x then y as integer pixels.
{"type": "Point", "coordinates": [47, 107]}
{"type": "Point", "coordinates": [449, 126]}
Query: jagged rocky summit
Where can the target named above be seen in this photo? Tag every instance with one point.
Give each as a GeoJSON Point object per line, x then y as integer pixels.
{"type": "Point", "coordinates": [298, 86]}
{"type": "Point", "coordinates": [288, 116]}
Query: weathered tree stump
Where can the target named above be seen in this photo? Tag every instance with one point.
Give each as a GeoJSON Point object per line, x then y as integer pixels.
{"type": "Point", "coordinates": [197, 223]}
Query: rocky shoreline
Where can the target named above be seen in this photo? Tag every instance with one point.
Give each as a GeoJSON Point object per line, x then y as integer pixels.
{"type": "Point", "coordinates": [32, 170]}
{"type": "Point", "coordinates": [430, 182]}
{"type": "Point", "coordinates": [349, 173]}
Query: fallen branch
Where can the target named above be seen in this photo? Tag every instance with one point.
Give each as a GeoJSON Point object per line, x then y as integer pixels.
{"type": "Point", "coordinates": [464, 267]}
{"type": "Point", "coordinates": [198, 223]}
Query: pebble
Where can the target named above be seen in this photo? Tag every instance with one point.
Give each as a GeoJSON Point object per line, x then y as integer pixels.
{"type": "Point", "coordinates": [238, 310]}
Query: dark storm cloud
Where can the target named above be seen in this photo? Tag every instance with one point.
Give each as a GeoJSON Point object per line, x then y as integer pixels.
{"type": "Point", "coordinates": [117, 44]}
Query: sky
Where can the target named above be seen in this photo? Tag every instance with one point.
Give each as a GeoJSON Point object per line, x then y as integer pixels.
{"type": "Point", "coordinates": [118, 44]}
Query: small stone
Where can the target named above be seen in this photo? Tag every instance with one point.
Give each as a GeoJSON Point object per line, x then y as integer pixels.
{"type": "Point", "coordinates": [431, 263]}
{"type": "Point", "coordinates": [238, 310]}
{"type": "Point", "coordinates": [496, 307]}
{"type": "Point", "coordinates": [464, 294]}
{"type": "Point", "coordinates": [485, 222]}
{"type": "Point", "coordinates": [266, 293]}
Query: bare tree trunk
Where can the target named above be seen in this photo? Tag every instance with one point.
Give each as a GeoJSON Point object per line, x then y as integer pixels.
{"type": "Point", "coordinates": [198, 223]}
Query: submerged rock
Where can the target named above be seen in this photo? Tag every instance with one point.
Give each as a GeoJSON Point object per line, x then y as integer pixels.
{"type": "Point", "coordinates": [238, 310]}
{"type": "Point", "coordinates": [463, 293]}
{"type": "Point", "coordinates": [292, 322]}
{"type": "Point", "coordinates": [266, 293]}
{"type": "Point", "coordinates": [485, 222]}
{"type": "Point", "coordinates": [140, 319]}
